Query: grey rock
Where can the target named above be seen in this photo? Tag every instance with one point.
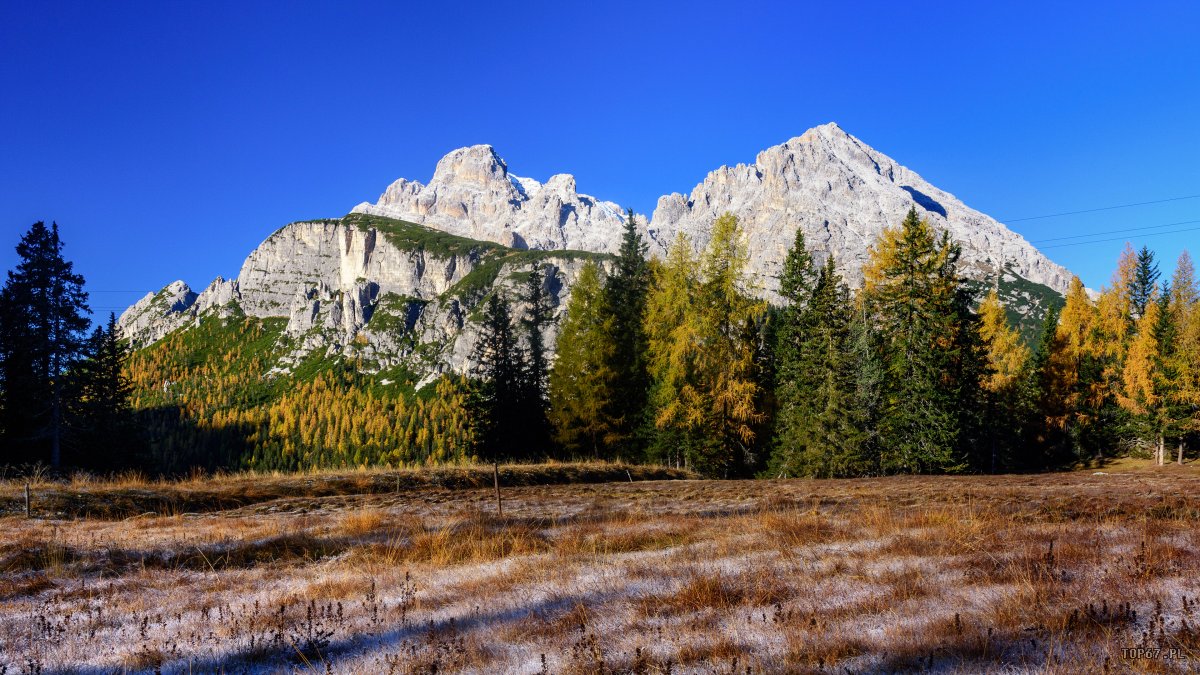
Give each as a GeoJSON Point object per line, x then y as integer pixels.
{"type": "Point", "coordinates": [158, 314]}
{"type": "Point", "coordinates": [473, 195]}
{"type": "Point", "coordinates": [842, 193]}
{"type": "Point", "coordinates": [351, 289]}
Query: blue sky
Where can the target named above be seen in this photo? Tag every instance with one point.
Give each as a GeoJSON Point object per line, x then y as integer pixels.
{"type": "Point", "coordinates": [169, 139]}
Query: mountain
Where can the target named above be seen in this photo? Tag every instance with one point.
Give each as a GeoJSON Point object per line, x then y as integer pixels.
{"type": "Point", "coordinates": [472, 194]}
{"type": "Point", "coordinates": [395, 285]}
{"type": "Point", "coordinates": [842, 193]}
{"type": "Point", "coordinates": [385, 293]}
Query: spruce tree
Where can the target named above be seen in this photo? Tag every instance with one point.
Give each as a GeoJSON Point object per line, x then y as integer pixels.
{"type": "Point", "coordinates": [792, 388]}
{"type": "Point", "coordinates": [626, 290]}
{"type": "Point", "coordinates": [583, 382]}
{"type": "Point", "coordinates": [43, 319]}
{"type": "Point", "coordinates": [1144, 282]}
{"type": "Point", "coordinates": [931, 351]}
{"type": "Point", "coordinates": [499, 371]}
{"type": "Point", "coordinates": [102, 421]}
{"type": "Point", "coordinates": [820, 426]}
{"type": "Point", "coordinates": [534, 400]}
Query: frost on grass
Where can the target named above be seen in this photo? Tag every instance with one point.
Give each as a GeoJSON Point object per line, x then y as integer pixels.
{"type": "Point", "coordinates": [1056, 573]}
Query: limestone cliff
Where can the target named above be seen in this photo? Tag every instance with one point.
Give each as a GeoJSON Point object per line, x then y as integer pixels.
{"type": "Point", "coordinates": [386, 293]}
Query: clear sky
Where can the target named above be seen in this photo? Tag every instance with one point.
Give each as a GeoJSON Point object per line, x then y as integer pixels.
{"type": "Point", "coordinates": [168, 139]}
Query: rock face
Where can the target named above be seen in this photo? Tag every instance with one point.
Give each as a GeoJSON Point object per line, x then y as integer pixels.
{"type": "Point", "coordinates": [156, 314]}
{"type": "Point", "coordinates": [346, 287]}
{"type": "Point", "coordinates": [473, 195]}
{"type": "Point", "coordinates": [396, 284]}
{"type": "Point", "coordinates": [842, 194]}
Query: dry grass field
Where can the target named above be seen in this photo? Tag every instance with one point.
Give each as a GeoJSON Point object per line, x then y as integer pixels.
{"type": "Point", "coordinates": [1063, 573]}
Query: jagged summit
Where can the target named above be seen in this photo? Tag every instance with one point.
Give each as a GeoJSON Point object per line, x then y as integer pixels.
{"type": "Point", "coordinates": [835, 187]}
{"type": "Point", "coordinates": [472, 194]}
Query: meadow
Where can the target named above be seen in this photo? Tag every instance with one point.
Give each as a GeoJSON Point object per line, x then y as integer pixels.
{"type": "Point", "coordinates": [651, 571]}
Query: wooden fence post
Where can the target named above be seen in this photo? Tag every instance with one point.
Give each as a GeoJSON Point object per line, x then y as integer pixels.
{"type": "Point", "coordinates": [496, 481]}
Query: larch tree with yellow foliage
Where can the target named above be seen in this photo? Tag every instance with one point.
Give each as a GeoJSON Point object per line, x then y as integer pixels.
{"type": "Point", "coordinates": [672, 342]}
{"type": "Point", "coordinates": [1182, 333]}
{"type": "Point", "coordinates": [583, 382]}
{"type": "Point", "coordinates": [1005, 384]}
{"type": "Point", "coordinates": [704, 334]}
{"type": "Point", "coordinates": [1142, 380]}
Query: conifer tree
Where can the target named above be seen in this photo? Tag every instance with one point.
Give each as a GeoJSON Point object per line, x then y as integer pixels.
{"type": "Point", "coordinates": [913, 293]}
{"type": "Point", "coordinates": [1071, 377]}
{"type": "Point", "coordinates": [583, 382]}
{"type": "Point", "coordinates": [103, 415]}
{"type": "Point", "coordinates": [672, 341]}
{"type": "Point", "coordinates": [500, 370]}
{"type": "Point", "coordinates": [1105, 352]}
{"type": "Point", "coordinates": [1004, 385]}
{"type": "Point", "coordinates": [534, 400]}
{"type": "Point", "coordinates": [42, 328]}
{"type": "Point", "coordinates": [626, 290]}
{"type": "Point", "coordinates": [1141, 379]}
{"type": "Point", "coordinates": [726, 363]}
{"type": "Point", "coordinates": [820, 427]}
{"type": "Point", "coordinates": [1144, 282]}
{"type": "Point", "coordinates": [1179, 331]}
{"type": "Point", "coordinates": [706, 391]}
{"type": "Point", "coordinates": [1187, 393]}
{"type": "Point", "coordinates": [792, 388]}
{"type": "Point", "coordinates": [1045, 439]}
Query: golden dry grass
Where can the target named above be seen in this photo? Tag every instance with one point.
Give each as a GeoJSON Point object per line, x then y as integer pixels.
{"type": "Point", "coordinates": [1066, 573]}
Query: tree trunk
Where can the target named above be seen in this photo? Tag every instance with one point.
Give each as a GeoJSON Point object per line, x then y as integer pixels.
{"type": "Point", "coordinates": [1161, 454]}
{"type": "Point", "coordinates": [496, 482]}
{"type": "Point", "coordinates": [1179, 456]}
{"type": "Point", "coordinates": [56, 434]}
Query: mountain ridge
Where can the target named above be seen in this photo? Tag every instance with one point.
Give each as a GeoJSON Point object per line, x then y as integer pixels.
{"type": "Point", "coordinates": [427, 254]}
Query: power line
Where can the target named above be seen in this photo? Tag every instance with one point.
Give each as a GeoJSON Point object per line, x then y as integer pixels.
{"type": "Point", "coordinates": [1102, 208]}
{"type": "Point", "coordinates": [1131, 229]}
{"type": "Point", "coordinates": [1100, 241]}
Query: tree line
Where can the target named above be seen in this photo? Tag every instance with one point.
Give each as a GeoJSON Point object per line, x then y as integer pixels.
{"type": "Point", "coordinates": [676, 361]}
{"type": "Point", "coordinates": [679, 362]}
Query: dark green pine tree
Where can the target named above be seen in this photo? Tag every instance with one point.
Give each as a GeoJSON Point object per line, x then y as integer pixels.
{"type": "Point", "coordinates": [102, 420]}
{"type": "Point", "coordinates": [792, 384]}
{"type": "Point", "coordinates": [626, 289]}
{"type": "Point", "coordinates": [1144, 283]}
{"type": "Point", "coordinates": [535, 400]}
{"type": "Point", "coordinates": [499, 372]}
{"type": "Point", "coordinates": [43, 319]}
{"type": "Point", "coordinates": [866, 350]}
{"type": "Point", "coordinates": [929, 412]}
{"type": "Point", "coordinates": [823, 434]}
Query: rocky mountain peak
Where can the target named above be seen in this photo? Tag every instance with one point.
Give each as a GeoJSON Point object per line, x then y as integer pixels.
{"type": "Point", "coordinates": [472, 194]}
{"type": "Point", "coordinates": [842, 194]}
{"type": "Point", "coordinates": [474, 165]}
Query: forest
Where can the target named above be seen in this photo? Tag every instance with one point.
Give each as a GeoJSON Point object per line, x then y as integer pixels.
{"type": "Point", "coordinates": [675, 361]}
